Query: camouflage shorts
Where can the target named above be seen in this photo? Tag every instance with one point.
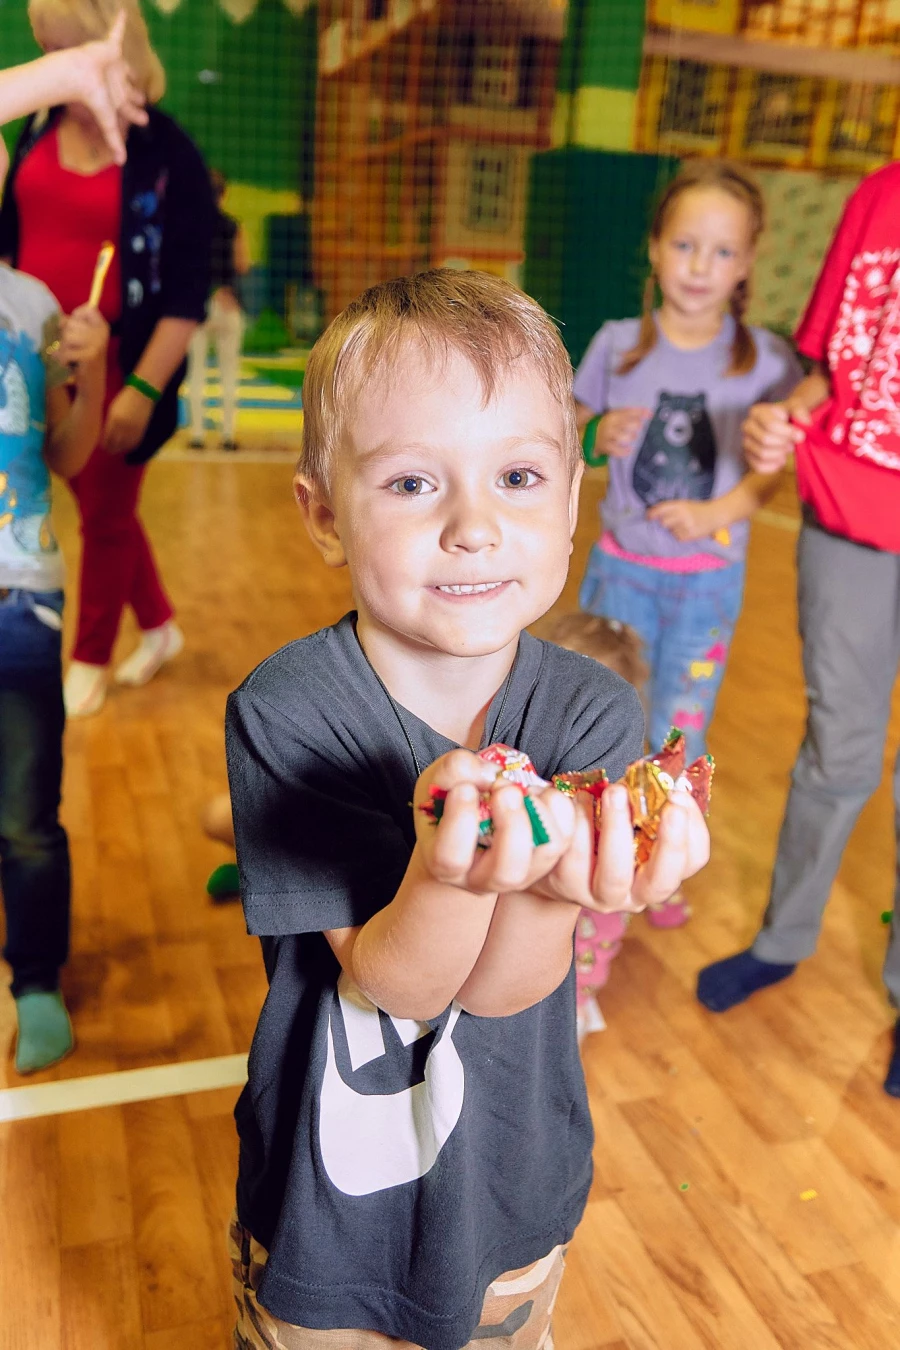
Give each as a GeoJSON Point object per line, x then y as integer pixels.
{"type": "Point", "coordinates": [515, 1316]}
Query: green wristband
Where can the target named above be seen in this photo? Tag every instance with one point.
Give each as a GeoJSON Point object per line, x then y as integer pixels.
{"type": "Point", "coordinates": [588, 444]}
{"type": "Point", "coordinates": [144, 387]}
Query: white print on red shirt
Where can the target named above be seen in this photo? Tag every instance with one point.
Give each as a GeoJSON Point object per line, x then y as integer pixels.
{"type": "Point", "coordinates": [864, 353]}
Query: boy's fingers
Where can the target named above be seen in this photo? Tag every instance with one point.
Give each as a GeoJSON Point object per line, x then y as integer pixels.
{"type": "Point", "coordinates": [556, 813]}
{"type": "Point", "coordinates": [698, 843]}
{"type": "Point", "coordinates": [459, 766]}
{"type": "Point", "coordinates": [681, 849]}
{"type": "Point", "coordinates": [571, 874]}
{"type": "Point", "coordinates": [456, 836]}
{"type": "Point", "coordinates": [664, 870]}
{"type": "Point", "coordinates": [506, 864]}
{"type": "Point", "coordinates": [561, 810]}
{"type": "Point", "coordinates": [614, 873]}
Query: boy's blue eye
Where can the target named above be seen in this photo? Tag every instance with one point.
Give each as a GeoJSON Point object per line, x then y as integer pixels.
{"type": "Point", "coordinates": [409, 486]}
{"type": "Point", "coordinates": [516, 478]}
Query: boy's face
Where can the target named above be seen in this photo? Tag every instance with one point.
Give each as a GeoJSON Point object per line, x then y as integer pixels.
{"type": "Point", "coordinates": [455, 518]}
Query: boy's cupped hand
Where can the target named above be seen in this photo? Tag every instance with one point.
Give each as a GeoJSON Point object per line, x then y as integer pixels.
{"type": "Point", "coordinates": [513, 862]}
{"type": "Point", "coordinates": [610, 881]}
{"type": "Point", "coordinates": [567, 867]}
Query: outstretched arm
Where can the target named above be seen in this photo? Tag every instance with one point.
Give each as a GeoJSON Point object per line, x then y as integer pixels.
{"type": "Point", "coordinates": [94, 74]}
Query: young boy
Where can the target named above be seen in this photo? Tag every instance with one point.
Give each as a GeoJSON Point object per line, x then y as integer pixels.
{"type": "Point", "coordinates": [41, 429]}
{"type": "Point", "coordinates": [415, 1134]}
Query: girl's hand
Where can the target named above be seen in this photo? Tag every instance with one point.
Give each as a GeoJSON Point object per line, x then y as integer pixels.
{"type": "Point", "coordinates": [450, 848]}
{"type": "Point", "coordinates": [687, 520]}
{"type": "Point", "coordinates": [618, 430]}
{"type": "Point", "coordinates": [769, 433]}
{"type": "Point", "coordinates": [99, 78]}
{"type": "Point", "coordinates": [608, 880]}
{"type": "Point", "coordinates": [84, 338]}
{"type": "Point", "coordinates": [126, 421]}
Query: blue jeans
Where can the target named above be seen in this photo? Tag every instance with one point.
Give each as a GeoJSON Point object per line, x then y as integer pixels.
{"type": "Point", "coordinates": [685, 622]}
{"type": "Point", "coordinates": [34, 850]}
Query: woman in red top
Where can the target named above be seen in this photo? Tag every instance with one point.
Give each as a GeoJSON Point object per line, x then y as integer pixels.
{"type": "Point", "coordinates": [843, 421]}
{"type": "Point", "coordinates": [65, 198]}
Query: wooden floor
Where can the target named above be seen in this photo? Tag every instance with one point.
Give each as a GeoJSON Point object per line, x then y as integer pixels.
{"type": "Point", "coordinates": [747, 1190]}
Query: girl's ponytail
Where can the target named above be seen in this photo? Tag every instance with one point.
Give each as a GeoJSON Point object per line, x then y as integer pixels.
{"type": "Point", "coordinates": [743, 348]}
{"type": "Point", "coordinates": [647, 335]}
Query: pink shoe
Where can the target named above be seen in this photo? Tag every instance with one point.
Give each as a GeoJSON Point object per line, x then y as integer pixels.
{"type": "Point", "coordinates": [598, 940]}
{"type": "Point", "coordinates": [673, 914]}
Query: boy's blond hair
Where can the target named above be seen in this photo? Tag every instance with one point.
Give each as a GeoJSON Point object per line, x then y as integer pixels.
{"type": "Point", "coordinates": [488, 321]}
{"type": "Point", "coordinates": [608, 641]}
{"type": "Point", "coordinates": [68, 23]}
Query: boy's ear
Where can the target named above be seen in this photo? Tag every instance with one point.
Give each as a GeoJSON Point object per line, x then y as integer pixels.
{"type": "Point", "coordinates": [574, 493]}
{"type": "Point", "coordinates": [318, 516]}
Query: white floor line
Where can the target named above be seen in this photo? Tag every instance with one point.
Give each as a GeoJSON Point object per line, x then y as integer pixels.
{"type": "Point", "coordinates": [129, 1085]}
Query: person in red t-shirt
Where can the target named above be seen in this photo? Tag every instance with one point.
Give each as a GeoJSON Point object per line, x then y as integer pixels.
{"type": "Point", "coordinates": [843, 422]}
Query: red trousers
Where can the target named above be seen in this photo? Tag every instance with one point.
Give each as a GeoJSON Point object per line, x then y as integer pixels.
{"type": "Point", "coordinates": [117, 565]}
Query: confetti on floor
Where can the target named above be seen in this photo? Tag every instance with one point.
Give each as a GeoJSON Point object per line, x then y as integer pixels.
{"type": "Point", "coordinates": [808, 1195]}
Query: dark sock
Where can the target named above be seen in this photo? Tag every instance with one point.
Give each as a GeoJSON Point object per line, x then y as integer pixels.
{"type": "Point", "coordinates": [892, 1082]}
{"type": "Point", "coordinates": [725, 983]}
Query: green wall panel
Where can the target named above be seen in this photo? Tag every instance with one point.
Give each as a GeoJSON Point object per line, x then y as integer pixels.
{"type": "Point", "coordinates": [602, 45]}
{"type": "Point", "coordinates": [586, 254]}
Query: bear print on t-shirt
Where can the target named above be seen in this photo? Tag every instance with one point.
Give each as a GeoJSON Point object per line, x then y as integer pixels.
{"type": "Point", "coordinates": [677, 456]}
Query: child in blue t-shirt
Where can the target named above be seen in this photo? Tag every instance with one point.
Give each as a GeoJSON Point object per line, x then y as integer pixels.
{"type": "Point", "coordinates": [673, 388]}
{"type": "Point", "coordinates": [45, 424]}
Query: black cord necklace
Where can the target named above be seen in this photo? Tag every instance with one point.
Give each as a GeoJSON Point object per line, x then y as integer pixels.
{"type": "Point", "coordinates": [403, 727]}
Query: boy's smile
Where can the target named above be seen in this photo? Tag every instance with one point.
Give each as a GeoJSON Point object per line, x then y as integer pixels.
{"type": "Point", "coordinates": [454, 516]}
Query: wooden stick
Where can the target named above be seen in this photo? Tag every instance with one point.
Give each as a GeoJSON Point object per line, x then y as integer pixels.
{"type": "Point", "coordinates": [103, 264]}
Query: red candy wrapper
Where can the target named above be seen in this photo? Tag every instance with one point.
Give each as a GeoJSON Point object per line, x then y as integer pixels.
{"type": "Point", "coordinates": [648, 781]}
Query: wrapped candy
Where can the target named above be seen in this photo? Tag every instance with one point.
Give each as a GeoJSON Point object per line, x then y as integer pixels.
{"type": "Point", "coordinates": [648, 782]}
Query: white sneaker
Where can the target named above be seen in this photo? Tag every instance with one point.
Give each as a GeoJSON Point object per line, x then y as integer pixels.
{"type": "Point", "coordinates": [84, 690]}
{"type": "Point", "coordinates": [156, 647]}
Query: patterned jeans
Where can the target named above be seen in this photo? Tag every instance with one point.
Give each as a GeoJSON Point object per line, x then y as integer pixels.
{"type": "Point", "coordinates": [685, 622]}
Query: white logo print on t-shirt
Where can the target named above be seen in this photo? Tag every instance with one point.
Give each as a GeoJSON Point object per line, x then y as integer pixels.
{"type": "Point", "coordinates": [370, 1142]}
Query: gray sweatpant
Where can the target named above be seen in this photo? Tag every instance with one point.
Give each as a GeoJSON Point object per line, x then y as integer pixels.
{"type": "Point", "coordinates": [850, 624]}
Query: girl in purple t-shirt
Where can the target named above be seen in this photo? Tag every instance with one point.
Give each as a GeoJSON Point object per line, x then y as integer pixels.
{"type": "Point", "coordinates": [673, 388]}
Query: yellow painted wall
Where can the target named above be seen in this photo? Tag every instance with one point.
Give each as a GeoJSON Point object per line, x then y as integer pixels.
{"type": "Point", "coordinates": [703, 16]}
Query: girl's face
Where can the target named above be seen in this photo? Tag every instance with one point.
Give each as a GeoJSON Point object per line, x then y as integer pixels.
{"type": "Point", "coordinates": [703, 251]}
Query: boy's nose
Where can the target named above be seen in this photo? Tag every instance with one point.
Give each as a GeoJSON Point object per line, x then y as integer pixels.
{"type": "Point", "coordinates": [470, 527]}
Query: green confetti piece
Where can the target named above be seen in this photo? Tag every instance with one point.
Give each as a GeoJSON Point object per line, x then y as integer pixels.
{"type": "Point", "coordinates": [685, 1185]}
{"type": "Point", "coordinates": [539, 834]}
{"type": "Point", "coordinates": [224, 882]}
{"type": "Point", "coordinates": [887, 915]}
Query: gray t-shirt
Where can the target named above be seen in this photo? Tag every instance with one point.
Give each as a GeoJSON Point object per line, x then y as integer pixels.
{"type": "Point", "coordinates": [29, 555]}
{"type": "Point", "coordinates": [690, 446]}
{"type": "Point", "coordinates": [394, 1168]}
